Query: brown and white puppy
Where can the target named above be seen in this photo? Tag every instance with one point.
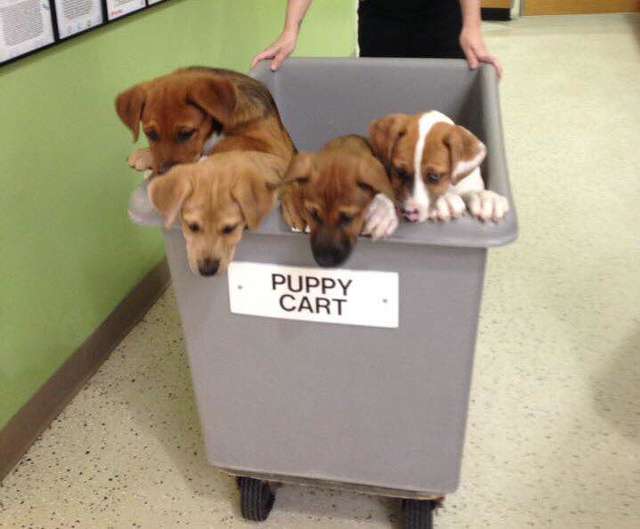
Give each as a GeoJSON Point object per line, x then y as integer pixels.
{"type": "Point", "coordinates": [197, 111]}
{"type": "Point", "coordinates": [434, 166]}
{"type": "Point", "coordinates": [337, 194]}
{"type": "Point", "coordinates": [215, 201]}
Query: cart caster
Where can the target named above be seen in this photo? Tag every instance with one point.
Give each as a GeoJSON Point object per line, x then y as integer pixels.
{"type": "Point", "coordinates": [418, 514]}
{"type": "Point", "coordinates": [256, 499]}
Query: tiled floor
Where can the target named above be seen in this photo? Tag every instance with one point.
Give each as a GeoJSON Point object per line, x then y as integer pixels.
{"type": "Point", "coordinates": [554, 432]}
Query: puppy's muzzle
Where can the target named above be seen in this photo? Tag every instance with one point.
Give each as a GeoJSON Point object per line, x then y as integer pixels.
{"type": "Point", "coordinates": [330, 254]}
{"type": "Point", "coordinates": [208, 267]}
{"type": "Point", "coordinates": [411, 214]}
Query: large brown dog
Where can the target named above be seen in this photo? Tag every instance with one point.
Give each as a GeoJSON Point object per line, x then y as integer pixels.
{"type": "Point", "coordinates": [215, 200]}
{"type": "Point", "coordinates": [337, 194]}
{"type": "Point", "coordinates": [197, 111]}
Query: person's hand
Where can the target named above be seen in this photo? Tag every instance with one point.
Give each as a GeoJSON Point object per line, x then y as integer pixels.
{"type": "Point", "coordinates": [475, 49]}
{"type": "Point", "coordinates": [279, 50]}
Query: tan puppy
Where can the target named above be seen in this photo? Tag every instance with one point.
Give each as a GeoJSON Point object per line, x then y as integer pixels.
{"type": "Point", "coordinates": [434, 166]}
{"type": "Point", "coordinates": [337, 194]}
{"type": "Point", "coordinates": [196, 111]}
{"type": "Point", "coordinates": [215, 201]}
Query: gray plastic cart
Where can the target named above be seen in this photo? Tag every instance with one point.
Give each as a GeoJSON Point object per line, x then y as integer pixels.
{"type": "Point", "coordinates": [377, 409]}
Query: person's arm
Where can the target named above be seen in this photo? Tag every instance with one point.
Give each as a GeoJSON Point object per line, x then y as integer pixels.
{"type": "Point", "coordinates": [471, 39]}
{"type": "Point", "coordinates": [286, 42]}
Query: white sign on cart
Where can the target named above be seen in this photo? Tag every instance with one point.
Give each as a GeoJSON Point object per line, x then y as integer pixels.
{"type": "Point", "coordinates": [351, 297]}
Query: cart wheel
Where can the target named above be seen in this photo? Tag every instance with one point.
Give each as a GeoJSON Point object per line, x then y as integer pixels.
{"type": "Point", "coordinates": [418, 514]}
{"type": "Point", "coordinates": [256, 499]}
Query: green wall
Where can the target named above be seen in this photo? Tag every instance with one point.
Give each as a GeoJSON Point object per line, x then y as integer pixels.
{"type": "Point", "coordinates": [68, 252]}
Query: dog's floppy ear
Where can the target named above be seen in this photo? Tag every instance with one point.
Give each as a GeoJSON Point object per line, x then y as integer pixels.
{"type": "Point", "coordinates": [384, 134]}
{"type": "Point", "coordinates": [129, 106]}
{"type": "Point", "coordinates": [466, 150]}
{"type": "Point", "coordinates": [169, 191]}
{"type": "Point", "coordinates": [256, 198]}
{"type": "Point", "coordinates": [373, 179]}
{"type": "Point", "coordinates": [272, 167]}
{"type": "Point", "coordinates": [299, 171]}
{"type": "Point", "coordinates": [216, 97]}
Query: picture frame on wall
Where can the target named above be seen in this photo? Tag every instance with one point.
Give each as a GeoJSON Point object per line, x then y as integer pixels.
{"type": "Point", "coordinates": [29, 26]}
{"type": "Point", "coordinates": [120, 8]}
{"type": "Point", "coordinates": [75, 16]}
{"type": "Point", "coordinates": [25, 26]}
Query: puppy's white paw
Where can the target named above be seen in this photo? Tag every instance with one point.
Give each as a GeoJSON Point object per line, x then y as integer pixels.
{"type": "Point", "coordinates": [307, 229]}
{"type": "Point", "coordinates": [381, 219]}
{"type": "Point", "coordinates": [140, 160]}
{"type": "Point", "coordinates": [487, 205]}
{"type": "Point", "coordinates": [448, 206]}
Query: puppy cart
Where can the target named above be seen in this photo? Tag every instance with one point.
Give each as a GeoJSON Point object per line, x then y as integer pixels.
{"type": "Point", "coordinates": [369, 393]}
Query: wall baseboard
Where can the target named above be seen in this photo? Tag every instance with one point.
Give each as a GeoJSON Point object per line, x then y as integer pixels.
{"type": "Point", "coordinates": [35, 416]}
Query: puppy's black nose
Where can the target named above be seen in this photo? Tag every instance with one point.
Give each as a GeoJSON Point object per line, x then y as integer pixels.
{"type": "Point", "coordinates": [208, 267]}
{"type": "Point", "coordinates": [329, 256]}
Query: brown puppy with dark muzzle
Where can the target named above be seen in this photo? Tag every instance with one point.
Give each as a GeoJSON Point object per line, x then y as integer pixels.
{"type": "Point", "coordinates": [337, 194]}
{"type": "Point", "coordinates": [197, 111]}
{"type": "Point", "coordinates": [216, 200]}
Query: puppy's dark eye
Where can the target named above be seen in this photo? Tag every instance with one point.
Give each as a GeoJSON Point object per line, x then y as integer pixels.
{"type": "Point", "coordinates": [433, 178]}
{"type": "Point", "coordinates": [229, 229]}
{"type": "Point", "coordinates": [152, 135]}
{"type": "Point", "coordinates": [185, 135]}
{"type": "Point", "coordinates": [403, 175]}
{"type": "Point", "coordinates": [315, 216]}
{"type": "Point", "coordinates": [345, 219]}
{"type": "Point", "coordinates": [194, 227]}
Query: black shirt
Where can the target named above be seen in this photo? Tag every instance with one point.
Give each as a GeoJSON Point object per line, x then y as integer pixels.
{"type": "Point", "coordinates": [406, 9]}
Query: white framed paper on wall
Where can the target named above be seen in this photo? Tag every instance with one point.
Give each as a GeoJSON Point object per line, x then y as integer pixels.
{"type": "Point", "coordinates": [25, 26]}
{"type": "Point", "coordinates": [28, 26]}
{"type": "Point", "coordinates": [75, 16]}
{"type": "Point", "coordinates": [120, 8]}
